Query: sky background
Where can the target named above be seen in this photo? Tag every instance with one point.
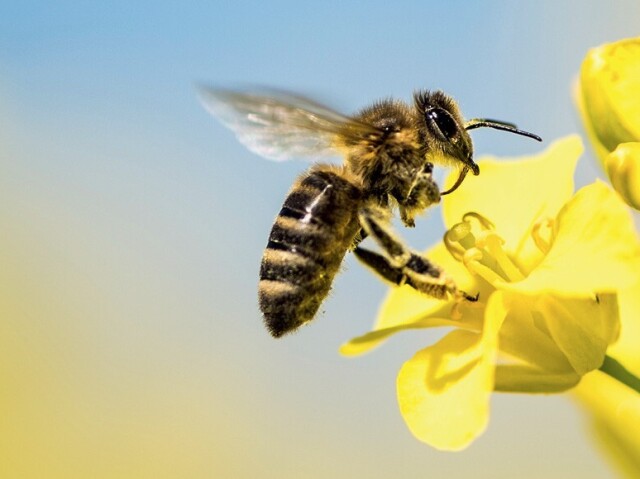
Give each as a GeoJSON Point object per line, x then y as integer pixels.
{"type": "Point", "coordinates": [133, 225]}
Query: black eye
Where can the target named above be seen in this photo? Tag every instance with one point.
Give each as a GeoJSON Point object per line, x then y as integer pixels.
{"type": "Point", "coordinates": [442, 123]}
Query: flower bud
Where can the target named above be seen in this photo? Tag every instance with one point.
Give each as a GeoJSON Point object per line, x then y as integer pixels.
{"type": "Point", "coordinates": [623, 168]}
{"type": "Point", "coordinates": [609, 95]}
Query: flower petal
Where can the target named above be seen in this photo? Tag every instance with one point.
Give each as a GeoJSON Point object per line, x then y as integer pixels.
{"type": "Point", "coordinates": [582, 328]}
{"type": "Point", "coordinates": [368, 341]}
{"type": "Point", "coordinates": [405, 308]}
{"type": "Point", "coordinates": [528, 379]}
{"type": "Point", "coordinates": [524, 336]}
{"type": "Point", "coordinates": [595, 248]}
{"type": "Point", "coordinates": [600, 149]}
{"type": "Point", "coordinates": [405, 305]}
{"type": "Point", "coordinates": [626, 348]}
{"type": "Point", "coordinates": [444, 390]}
{"type": "Point", "coordinates": [515, 194]}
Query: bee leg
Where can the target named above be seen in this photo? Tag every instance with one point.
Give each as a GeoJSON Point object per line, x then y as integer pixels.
{"type": "Point", "coordinates": [375, 223]}
{"type": "Point", "coordinates": [423, 193]}
{"type": "Point", "coordinates": [398, 264]}
{"type": "Point", "coordinates": [380, 265]}
{"type": "Point", "coordinates": [359, 238]}
{"type": "Point", "coordinates": [417, 273]}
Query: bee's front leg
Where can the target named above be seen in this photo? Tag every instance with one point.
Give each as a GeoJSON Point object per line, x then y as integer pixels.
{"type": "Point", "coordinates": [423, 193]}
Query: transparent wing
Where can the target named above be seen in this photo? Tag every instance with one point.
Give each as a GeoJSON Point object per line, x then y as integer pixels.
{"type": "Point", "coordinates": [281, 126]}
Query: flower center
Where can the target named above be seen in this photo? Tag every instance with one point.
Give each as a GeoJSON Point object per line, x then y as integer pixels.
{"type": "Point", "coordinates": [475, 244]}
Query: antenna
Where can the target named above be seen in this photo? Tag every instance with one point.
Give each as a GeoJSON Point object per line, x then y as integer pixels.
{"type": "Point", "coordinates": [486, 122]}
{"type": "Point", "coordinates": [498, 125]}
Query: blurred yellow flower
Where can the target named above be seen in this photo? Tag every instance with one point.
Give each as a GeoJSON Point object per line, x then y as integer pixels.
{"type": "Point", "coordinates": [547, 265]}
{"type": "Point", "coordinates": [610, 105]}
{"type": "Point", "coordinates": [608, 99]}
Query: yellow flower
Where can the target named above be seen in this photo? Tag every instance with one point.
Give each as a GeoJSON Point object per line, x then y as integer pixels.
{"type": "Point", "coordinates": [547, 265]}
{"type": "Point", "coordinates": [610, 106]}
{"type": "Point", "coordinates": [608, 99]}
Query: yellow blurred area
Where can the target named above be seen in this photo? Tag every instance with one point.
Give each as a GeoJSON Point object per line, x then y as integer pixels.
{"type": "Point", "coordinates": [92, 381]}
{"type": "Point", "coordinates": [70, 407]}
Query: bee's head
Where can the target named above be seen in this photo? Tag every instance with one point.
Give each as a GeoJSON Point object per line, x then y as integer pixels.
{"type": "Point", "coordinates": [445, 133]}
{"type": "Point", "coordinates": [445, 139]}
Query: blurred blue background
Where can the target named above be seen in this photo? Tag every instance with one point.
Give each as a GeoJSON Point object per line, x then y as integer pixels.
{"type": "Point", "coordinates": [132, 226]}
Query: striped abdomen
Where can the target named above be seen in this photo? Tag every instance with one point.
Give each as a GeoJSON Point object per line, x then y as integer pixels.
{"type": "Point", "coordinates": [308, 241]}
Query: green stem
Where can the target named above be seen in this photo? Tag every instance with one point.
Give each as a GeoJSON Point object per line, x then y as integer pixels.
{"type": "Point", "coordinates": [617, 371]}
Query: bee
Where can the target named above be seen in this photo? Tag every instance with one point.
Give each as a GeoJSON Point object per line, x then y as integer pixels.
{"type": "Point", "coordinates": [389, 150]}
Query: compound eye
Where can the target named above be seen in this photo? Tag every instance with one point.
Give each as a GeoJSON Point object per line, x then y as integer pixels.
{"type": "Point", "coordinates": [442, 123]}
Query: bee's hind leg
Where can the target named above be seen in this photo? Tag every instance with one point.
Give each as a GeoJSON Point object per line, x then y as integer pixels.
{"type": "Point", "coordinates": [400, 265]}
{"type": "Point", "coordinates": [418, 273]}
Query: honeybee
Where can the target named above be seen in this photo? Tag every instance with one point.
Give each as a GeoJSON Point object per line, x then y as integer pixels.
{"type": "Point", "coordinates": [389, 150]}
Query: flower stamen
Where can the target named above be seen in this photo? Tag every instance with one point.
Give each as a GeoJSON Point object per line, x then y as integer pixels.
{"type": "Point", "coordinates": [475, 244]}
{"type": "Point", "coordinates": [454, 239]}
{"type": "Point", "coordinates": [494, 244]}
{"type": "Point", "coordinates": [543, 243]}
{"type": "Point", "coordinates": [486, 273]}
{"type": "Point", "coordinates": [488, 225]}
